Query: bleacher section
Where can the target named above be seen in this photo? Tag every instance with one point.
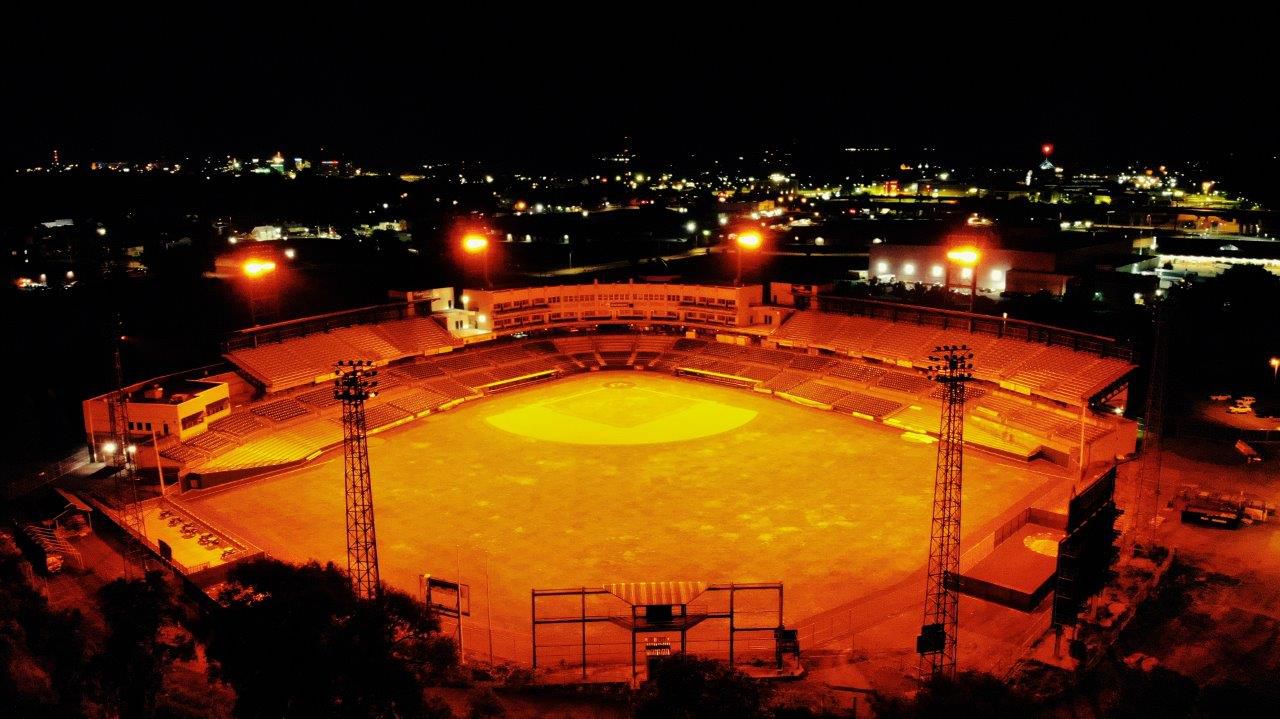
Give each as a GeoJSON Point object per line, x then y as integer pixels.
{"type": "Point", "coordinates": [818, 392]}
{"type": "Point", "coordinates": [237, 425]}
{"type": "Point", "coordinates": [302, 360]}
{"type": "Point", "coordinates": [378, 415]}
{"type": "Point", "coordinates": [866, 405]}
{"type": "Point", "coordinates": [281, 410]}
{"type": "Point", "coordinates": [1051, 371]}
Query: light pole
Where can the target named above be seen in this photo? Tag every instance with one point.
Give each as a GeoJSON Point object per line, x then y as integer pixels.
{"type": "Point", "coordinates": [1275, 369]}
{"type": "Point", "coordinates": [747, 241]}
{"type": "Point", "coordinates": [256, 271]}
{"type": "Point", "coordinates": [967, 258]}
{"type": "Point", "coordinates": [477, 244]}
{"type": "Point", "coordinates": [692, 228]}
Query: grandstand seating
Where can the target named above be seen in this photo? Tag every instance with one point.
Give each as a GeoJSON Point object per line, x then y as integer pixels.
{"type": "Point", "coordinates": [902, 341]}
{"type": "Point", "coordinates": [421, 370]}
{"type": "Point", "coordinates": [381, 414]}
{"type": "Point", "coordinates": [370, 344]}
{"type": "Point", "coordinates": [210, 441]}
{"type": "Point", "coordinates": [236, 424]}
{"type": "Point", "coordinates": [785, 380]}
{"type": "Point", "coordinates": [320, 397]}
{"type": "Point", "coordinates": [854, 335]}
{"type": "Point", "coordinates": [912, 384]}
{"type": "Point", "coordinates": [463, 362]}
{"type": "Point", "coordinates": [419, 400]}
{"type": "Point", "coordinates": [866, 404]}
{"type": "Point", "coordinates": [760, 373]}
{"type": "Point", "coordinates": [280, 410]}
{"type": "Point", "coordinates": [505, 355]}
{"type": "Point", "coordinates": [450, 388]}
{"type": "Point", "coordinates": [575, 345]}
{"type": "Point", "coordinates": [818, 392]}
{"type": "Point", "coordinates": [972, 392]}
{"type": "Point", "coordinates": [415, 335]}
{"type": "Point", "coordinates": [856, 371]}
{"type": "Point", "coordinates": [1089, 378]}
{"type": "Point", "coordinates": [685, 344]}
{"type": "Point", "coordinates": [807, 329]}
{"type": "Point", "coordinates": [183, 453]}
{"type": "Point", "coordinates": [477, 378]}
{"type": "Point", "coordinates": [811, 363]}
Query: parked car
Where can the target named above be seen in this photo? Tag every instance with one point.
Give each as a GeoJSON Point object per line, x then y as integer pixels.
{"type": "Point", "coordinates": [1219, 397]}
{"type": "Point", "coordinates": [1239, 409]}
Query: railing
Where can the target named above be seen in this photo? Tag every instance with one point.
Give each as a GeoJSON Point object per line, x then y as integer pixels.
{"type": "Point", "coordinates": [36, 476]}
{"type": "Point", "coordinates": [253, 336]}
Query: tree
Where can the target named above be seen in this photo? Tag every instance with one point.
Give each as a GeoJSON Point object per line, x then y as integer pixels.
{"type": "Point", "coordinates": [142, 641]}
{"type": "Point", "coordinates": [687, 687]}
{"type": "Point", "coordinates": [42, 651]}
{"type": "Point", "coordinates": [970, 694]}
{"type": "Point", "coordinates": [295, 641]}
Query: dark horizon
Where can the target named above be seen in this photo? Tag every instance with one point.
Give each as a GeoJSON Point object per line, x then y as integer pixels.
{"type": "Point", "coordinates": [534, 90]}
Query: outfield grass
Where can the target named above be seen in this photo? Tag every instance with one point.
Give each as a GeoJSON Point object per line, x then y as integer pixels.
{"type": "Point", "coordinates": [582, 483]}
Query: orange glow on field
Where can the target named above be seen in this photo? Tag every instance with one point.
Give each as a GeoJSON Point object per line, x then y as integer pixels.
{"type": "Point", "coordinates": [258, 268]}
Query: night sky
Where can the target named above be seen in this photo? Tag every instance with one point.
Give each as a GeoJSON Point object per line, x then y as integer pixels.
{"type": "Point", "coordinates": [548, 85]}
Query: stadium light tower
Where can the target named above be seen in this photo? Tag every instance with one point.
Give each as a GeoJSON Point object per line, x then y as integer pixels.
{"type": "Point", "coordinates": [257, 272]}
{"type": "Point", "coordinates": [951, 366]}
{"type": "Point", "coordinates": [352, 387]}
{"type": "Point", "coordinates": [967, 259]}
{"type": "Point", "coordinates": [477, 244]}
{"type": "Point", "coordinates": [748, 241]}
{"type": "Point", "coordinates": [123, 454]}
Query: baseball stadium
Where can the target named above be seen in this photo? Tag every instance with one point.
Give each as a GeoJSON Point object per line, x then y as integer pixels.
{"type": "Point", "coordinates": [557, 461]}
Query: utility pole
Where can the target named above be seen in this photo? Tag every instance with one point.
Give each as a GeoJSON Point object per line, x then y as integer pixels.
{"type": "Point", "coordinates": [1146, 489]}
{"type": "Point", "coordinates": [951, 367]}
{"type": "Point", "coordinates": [353, 386]}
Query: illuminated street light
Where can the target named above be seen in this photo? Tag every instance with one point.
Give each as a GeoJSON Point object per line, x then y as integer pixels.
{"type": "Point", "coordinates": [747, 241]}
{"type": "Point", "coordinates": [109, 447]}
{"type": "Point", "coordinates": [966, 257]}
{"type": "Point", "coordinates": [477, 244]}
{"type": "Point", "coordinates": [1275, 368]}
{"type": "Point", "coordinates": [256, 271]}
{"type": "Point", "coordinates": [258, 268]}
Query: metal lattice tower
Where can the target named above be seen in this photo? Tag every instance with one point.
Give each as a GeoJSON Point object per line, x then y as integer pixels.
{"type": "Point", "coordinates": [1146, 486]}
{"type": "Point", "coordinates": [952, 368]}
{"type": "Point", "coordinates": [126, 480]}
{"type": "Point", "coordinates": [353, 386]}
